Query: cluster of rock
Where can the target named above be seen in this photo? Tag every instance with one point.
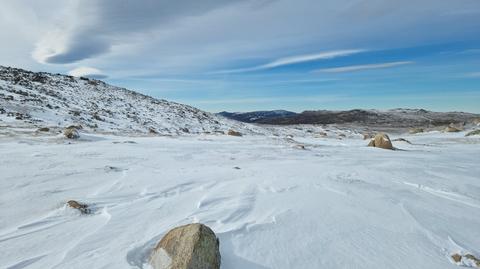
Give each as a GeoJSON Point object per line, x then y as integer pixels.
{"type": "Point", "coordinates": [467, 259]}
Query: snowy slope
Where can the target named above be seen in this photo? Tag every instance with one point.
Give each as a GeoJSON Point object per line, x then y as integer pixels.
{"type": "Point", "coordinates": [48, 100]}
{"type": "Point", "coordinates": [336, 204]}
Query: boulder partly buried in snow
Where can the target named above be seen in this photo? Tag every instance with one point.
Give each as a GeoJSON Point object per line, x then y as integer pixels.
{"type": "Point", "coordinates": [416, 130]}
{"type": "Point", "coordinates": [381, 140]}
{"type": "Point", "coordinates": [474, 132]}
{"type": "Point", "coordinates": [187, 247]}
{"type": "Point", "coordinates": [71, 133]}
{"type": "Point", "coordinates": [452, 129]}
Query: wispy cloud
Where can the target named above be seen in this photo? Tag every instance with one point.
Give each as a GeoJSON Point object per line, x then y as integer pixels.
{"type": "Point", "coordinates": [293, 60]}
{"type": "Point", "coordinates": [353, 68]}
{"type": "Point", "coordinates": [321, 99]}
{"type": "Point", "coordinates": [473, 75]}
{"type": "Point", "coordinates": [85, 71]}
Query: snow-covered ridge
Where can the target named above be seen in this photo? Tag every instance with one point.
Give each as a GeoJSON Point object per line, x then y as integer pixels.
{"type": "Point", "coordinates": [54, 100]}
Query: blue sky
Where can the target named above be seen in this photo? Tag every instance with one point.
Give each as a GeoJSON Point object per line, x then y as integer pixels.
{"type": "Point", "coordinates": [241, 55]}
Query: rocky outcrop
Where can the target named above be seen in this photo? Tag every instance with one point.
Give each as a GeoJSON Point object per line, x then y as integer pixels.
{"type": "Point", "coordinates": [192, 246]}
{"type": "Point", "coordinates": [381, 140]}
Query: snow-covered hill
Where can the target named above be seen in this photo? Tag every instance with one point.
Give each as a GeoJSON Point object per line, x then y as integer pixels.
{"type": "Point", "coordinates": [47, 100]}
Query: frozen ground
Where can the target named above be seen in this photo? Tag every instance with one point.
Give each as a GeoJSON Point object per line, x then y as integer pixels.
{"type": "Point", "coordinates": [336, 204]}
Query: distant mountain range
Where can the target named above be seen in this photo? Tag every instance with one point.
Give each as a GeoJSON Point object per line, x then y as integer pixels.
{"type": "Point", "coordinates": [257, 116]}
{"type": "Point", "coordinates": [389, 118]}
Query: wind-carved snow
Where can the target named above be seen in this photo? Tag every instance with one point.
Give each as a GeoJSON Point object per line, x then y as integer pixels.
{"type": "Point", "coordinates": [336, 204]}
{"type": "Point", "coordinates": [303, 196]}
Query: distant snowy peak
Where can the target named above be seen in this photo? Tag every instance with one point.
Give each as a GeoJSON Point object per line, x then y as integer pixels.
{"type": "Point", "coordinates": [54, 100]}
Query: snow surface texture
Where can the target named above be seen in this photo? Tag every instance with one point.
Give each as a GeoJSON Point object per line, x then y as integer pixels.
{"type": "Point", "coordinates": [334, 204]}
{"type": "Point", "coordinates": [48, 100]}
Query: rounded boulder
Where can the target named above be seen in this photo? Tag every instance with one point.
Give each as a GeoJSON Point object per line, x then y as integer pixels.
{"type": "Point", "coordinates": [381, 140]}
{"type": "Point", "coordinates": [192, 246]}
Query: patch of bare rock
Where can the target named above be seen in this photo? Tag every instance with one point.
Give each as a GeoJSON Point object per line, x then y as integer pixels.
{"type": "Point", "coordinates": [234, 133]}
{"type": "Point", "coordinates": [453, 128]}
{"type": "Point", "coordinates": [192, 246]}
{"type": "Point", "coordinates": [474, 132]}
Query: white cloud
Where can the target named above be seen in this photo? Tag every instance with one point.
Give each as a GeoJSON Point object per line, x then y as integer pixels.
{"type": "Point", "coordinates": [294, 60]}
{"type": "Point", "coordinates": [85, 71]}
{"type": "Point", "coordinates": [188, 37]}
{"type": "Point", "coordinates": [473, 75]}
{"type": "Point", "coordinates": [353, 68]}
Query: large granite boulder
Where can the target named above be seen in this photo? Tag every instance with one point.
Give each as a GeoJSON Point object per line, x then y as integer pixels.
{"type": "Point", "coordinates": [381, 140]}
{"type": "Point", "coordinates": [192, 246]}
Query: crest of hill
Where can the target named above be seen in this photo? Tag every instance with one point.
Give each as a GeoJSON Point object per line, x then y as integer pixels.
{"type": "Point", "coordinates": [41, 99]}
